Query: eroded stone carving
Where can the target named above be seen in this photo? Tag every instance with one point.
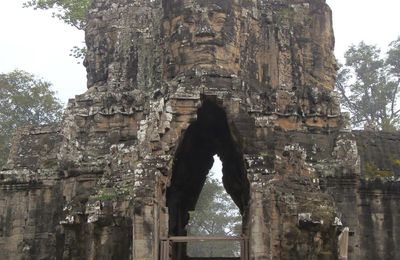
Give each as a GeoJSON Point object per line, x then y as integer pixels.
{"type": "Point", "coordinates": [202, 35]}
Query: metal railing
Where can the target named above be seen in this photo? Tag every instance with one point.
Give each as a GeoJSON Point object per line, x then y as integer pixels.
{"type": "Point", "coordinates": [167, 245]}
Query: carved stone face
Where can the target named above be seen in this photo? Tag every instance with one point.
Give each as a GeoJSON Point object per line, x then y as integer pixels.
{"type": "Point", "coordinates": [203, 33]}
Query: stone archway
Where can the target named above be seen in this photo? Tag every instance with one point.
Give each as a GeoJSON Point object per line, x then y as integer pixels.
{"type": "Point", "coordinates": [210, 134]}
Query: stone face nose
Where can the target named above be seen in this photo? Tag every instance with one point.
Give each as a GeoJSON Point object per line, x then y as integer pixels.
{"type": "Point", "coordinates": [204, 29]}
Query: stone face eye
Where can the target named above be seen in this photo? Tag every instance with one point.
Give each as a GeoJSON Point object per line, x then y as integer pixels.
{"type": "Point", "coordinates": [218, 19]}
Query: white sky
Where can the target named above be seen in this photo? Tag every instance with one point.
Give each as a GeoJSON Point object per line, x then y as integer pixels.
{"type": "Point", "coordinates": [37, 43]}
{"type": "Point", "coordinates": [372, 21]}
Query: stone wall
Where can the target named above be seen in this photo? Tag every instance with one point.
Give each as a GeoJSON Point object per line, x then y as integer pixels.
{"type": "Point", "coordinates": [369, 204]}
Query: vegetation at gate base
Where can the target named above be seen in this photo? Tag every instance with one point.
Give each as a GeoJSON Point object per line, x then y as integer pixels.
{"type": "Point", "coordinates": [396, 162]}
{"type": "Point", "coordinates": [370, 86]}
{"type": "Point", "coordinates": [215, 215]}
{"type": "Point", "coordinates": [373, 172]}
{"type": "Point", "coordinates": [24, 100]}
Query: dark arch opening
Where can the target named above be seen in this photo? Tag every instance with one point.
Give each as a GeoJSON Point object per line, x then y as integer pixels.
{"type": "Point", "coordinates": [210, 134]}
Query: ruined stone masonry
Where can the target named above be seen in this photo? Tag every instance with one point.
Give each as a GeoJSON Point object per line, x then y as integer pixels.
{"type": "Point", "coordinates": [171, 83]}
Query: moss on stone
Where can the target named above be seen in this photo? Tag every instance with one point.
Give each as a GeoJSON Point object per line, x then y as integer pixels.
{"type": "Point", "coordinates": [373, 172]}
{"type": "Point", "coordinates": [52, 163]}
{"type": "Point", "coordinates": [111, 193]}
{"type": "Point", "coordinates": [396, 162]}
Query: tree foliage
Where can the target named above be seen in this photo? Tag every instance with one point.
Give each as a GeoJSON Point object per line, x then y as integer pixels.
{"type": "Point", "coordinates": [369, 85]}
{"type": "Point", "coordinates": [24, 100]}
{"type": "Point", "coordinates": [72, 12]}
{"type": "Point", "coordinates": [215, 215]}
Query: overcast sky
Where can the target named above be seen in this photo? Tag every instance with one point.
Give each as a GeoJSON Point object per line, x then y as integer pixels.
{"type": "Point", "coordinates": [35, 42]}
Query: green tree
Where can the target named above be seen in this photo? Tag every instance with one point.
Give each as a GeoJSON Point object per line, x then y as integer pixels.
{"type": "Point", "coordinates": [24, 100]}
{"type": "Point", "coordinates": [71, 12]}
{"type": "Point", "coordinates": [369, 86]}
{"type": "Point", "coordinates": [215, 215]}
{"type": "Point", "coordinates": [393, 63]}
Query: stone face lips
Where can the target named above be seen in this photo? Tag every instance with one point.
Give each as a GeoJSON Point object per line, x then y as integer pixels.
{"type": "Point", "coordinates": [170, 84]}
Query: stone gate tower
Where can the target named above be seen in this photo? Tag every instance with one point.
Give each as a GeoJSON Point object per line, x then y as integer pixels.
{"type": "Point", "coordinates": [171, 83]}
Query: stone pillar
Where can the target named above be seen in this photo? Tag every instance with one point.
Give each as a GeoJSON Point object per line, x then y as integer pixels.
{"type": "Point", "coordinates": [343, 242]}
